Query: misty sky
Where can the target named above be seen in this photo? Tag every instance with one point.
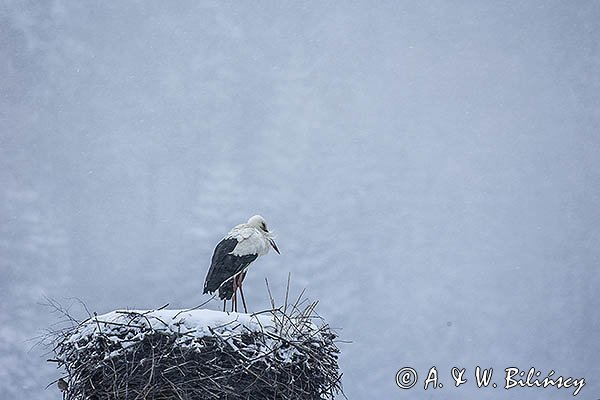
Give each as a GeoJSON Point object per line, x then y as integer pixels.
{"type": "Point", "coordinates": [431, 171]}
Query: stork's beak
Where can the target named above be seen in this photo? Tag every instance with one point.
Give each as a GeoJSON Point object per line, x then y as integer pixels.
{"type": "Point", "coordinates": [274, 246]}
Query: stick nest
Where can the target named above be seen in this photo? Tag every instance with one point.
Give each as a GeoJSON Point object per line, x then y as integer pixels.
{"type": "Point", "coordinates": [200, 354]}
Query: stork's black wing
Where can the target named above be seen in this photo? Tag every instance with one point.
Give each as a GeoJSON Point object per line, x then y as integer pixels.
{"type": "Point", "coordinates": [224, 266]}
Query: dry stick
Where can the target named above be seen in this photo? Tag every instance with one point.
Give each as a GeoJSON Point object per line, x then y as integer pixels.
{"type": "Point", "coordinates": [197, 307]}
{"type": "Point", "coordinates": [270, 295]}
{"type": "Point", "coordinates": [296, 304]}
{"type": "Point", "coordinates": [287, 291]}
{"type": "Point", "coordinates": [158, 309]}
{"type": "Point", "coordinates": [151, 371]}
{"type": "Point", "coordinates": [55, 305]}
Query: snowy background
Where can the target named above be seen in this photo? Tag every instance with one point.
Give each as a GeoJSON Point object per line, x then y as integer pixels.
{"type": "Point", "coordinates": [432, 173]}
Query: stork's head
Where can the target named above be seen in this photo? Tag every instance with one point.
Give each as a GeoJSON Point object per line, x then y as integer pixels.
{"type": "Point", "coordinates": [259, 223]}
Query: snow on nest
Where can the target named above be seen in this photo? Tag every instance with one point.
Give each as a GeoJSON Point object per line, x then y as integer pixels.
{"type": "Point", "coordinates": [127, 327]}
{"type": "Point", "coordinates": [197, 323]}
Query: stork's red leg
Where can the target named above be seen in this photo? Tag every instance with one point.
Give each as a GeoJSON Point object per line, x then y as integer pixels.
{"type": "Point", "coordinates": [224, 304]}
{"type": "Point", "coordinates": [234, 297]}
{"type": "Point", "coordinates": [239, 279]}
{"type": "Point", "coordinates": [243, 300]}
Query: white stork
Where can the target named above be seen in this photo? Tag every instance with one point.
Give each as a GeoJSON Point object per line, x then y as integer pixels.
{"type": "Point", "coordinates": [232, 256]}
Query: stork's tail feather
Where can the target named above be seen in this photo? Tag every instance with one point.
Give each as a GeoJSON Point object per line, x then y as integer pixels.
{"type": "Point", "coordinates": [226, 290]}
{"type": "Point", "coordinates": [210, 286]}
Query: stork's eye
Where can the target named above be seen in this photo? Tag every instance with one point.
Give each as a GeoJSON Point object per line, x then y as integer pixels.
{"type": "Point", "coordinates": [264, 227]}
